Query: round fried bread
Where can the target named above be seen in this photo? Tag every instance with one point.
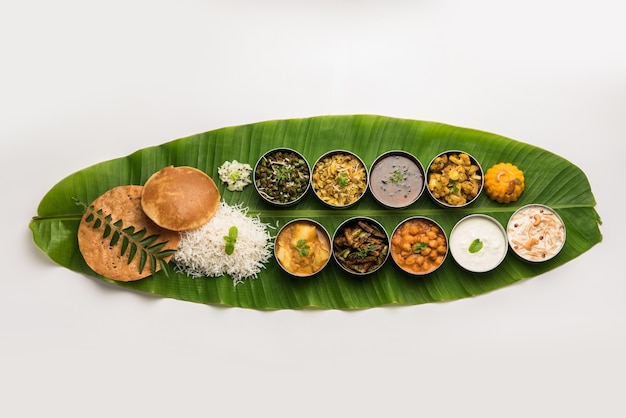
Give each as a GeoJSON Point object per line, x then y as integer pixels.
{"type": "Point", "coordinates": [123, 203]}
{"type": "Point", "coordinates": [180, 198]}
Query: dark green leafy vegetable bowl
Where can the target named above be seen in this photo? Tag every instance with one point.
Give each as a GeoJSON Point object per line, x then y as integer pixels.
{"type": "Point", "coordinates": [55, 227]}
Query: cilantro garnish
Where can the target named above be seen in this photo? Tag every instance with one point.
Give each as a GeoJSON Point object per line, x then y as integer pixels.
{"type": "Point", "coordinates": [302, 247]}
{"type": "Point", "coordinates": [419, 247]}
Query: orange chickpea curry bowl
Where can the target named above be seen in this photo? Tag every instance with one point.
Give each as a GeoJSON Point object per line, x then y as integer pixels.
{"type": "Point", "coordinates": [419, 245]}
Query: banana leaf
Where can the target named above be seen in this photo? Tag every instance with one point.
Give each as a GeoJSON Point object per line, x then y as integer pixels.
{"type": "Point", "coordinates": [550, 180]}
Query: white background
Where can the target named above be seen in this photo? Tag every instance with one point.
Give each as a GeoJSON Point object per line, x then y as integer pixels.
{"type": "Point", "coordinates": [82, 82]}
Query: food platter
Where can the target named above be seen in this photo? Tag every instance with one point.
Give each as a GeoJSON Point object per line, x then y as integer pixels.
{"type": "Point", "coordinates": [550, 180]}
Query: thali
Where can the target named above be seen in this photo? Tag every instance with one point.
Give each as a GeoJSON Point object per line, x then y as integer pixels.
{"type": "Point", "coordinates": [551, 180]}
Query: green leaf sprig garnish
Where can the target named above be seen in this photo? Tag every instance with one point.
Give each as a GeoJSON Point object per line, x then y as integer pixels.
{"type": "Point", "coordinates": [475, 246]}
{"type": "Point", "coordinates": [343, 179]}
{"type": "Point", "coordinates": [454, 187]}
{"type": "Point", "coordinates": [231, 239]}
{"type": "Point", "coordinates": [419, 247]}
{"type": "Point", "coordinates": [302, 247]}
{"type": "Point", "coordinates": [284, 173]}
{"type": "Point", "coordinates": [365, 250]}
{"type": "Point", "coordinates": [396, 177]}
{"type": "Point", "coordinates": [130, 241]}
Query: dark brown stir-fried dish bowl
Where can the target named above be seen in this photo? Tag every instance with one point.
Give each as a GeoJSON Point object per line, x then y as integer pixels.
{"type": "Point", "coordinates": [360, 246]}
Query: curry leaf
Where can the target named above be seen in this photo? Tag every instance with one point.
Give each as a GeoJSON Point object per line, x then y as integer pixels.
{"type": "Point", "coordinates": [132, 239]}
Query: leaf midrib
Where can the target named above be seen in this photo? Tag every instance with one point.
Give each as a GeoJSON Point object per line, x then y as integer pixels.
{"type": "Point", "coordinates": [314, 213]}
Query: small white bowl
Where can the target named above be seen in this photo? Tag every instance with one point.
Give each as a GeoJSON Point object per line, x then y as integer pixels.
{"type": "Point", "coordinates": [478, 243]}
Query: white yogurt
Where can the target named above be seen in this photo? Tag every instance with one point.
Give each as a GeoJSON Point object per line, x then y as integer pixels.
{"type": "Point", "coordinates": [478, 243]}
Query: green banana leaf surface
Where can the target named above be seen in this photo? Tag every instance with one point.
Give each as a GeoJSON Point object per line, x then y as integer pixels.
{"type": "Point", "coordinates": [549, 180]}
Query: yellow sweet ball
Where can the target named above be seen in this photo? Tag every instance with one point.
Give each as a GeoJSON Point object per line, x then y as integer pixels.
{"type": "Point", "coordinates": [504, 182]}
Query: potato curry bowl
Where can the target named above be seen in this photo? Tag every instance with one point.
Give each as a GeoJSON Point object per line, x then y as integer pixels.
{"type": "Point", "coordinates": [454, 179]}
{"type": "Point", "coordinates": [302, 247]}
{"type": "Point", "coordinates": [339, 178]}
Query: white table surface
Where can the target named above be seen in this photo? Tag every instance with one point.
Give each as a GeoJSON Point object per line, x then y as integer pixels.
{"type": "Point", "coordinates": [83, 82]}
